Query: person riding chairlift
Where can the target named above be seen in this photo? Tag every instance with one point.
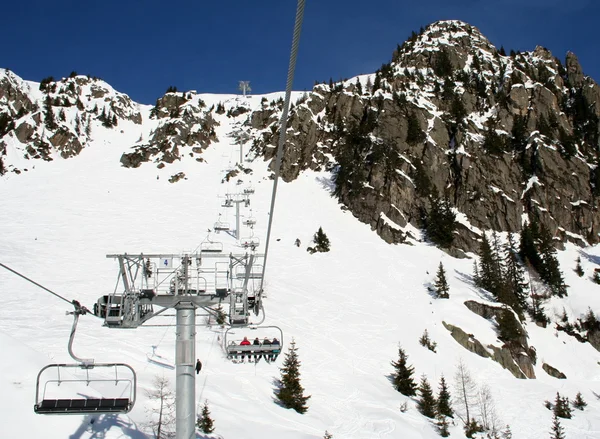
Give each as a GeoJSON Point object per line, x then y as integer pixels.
{"type": "Point", "coordinates": [245, 342]}
{"type": "Point", "coordinates": [257, 356]}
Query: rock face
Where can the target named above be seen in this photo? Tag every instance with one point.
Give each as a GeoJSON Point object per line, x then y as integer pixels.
{"type": "Point", "coordinates": [515, 356]}
{"type": "Point", "coordinates": [502, 137]}
{"type": "Point", "coordinates": [184, 123]}
{"type": "Point", "coordinates": [553, 372]}
{"type": "Point", "coordinates": [56, 117]}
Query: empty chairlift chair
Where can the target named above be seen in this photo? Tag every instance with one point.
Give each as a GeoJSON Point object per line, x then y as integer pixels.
{"type": "Point", "coordinates": [58, 389]}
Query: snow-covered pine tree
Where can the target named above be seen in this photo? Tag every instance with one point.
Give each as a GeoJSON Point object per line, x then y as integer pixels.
{"type": "Point", "coordinates": [561, 407]}
{"type": "Point", "coordinates": [205, 423]}
{"type": "Point", "coordinates": [321, 242]}
{"type": "Point", "coordinates": [579, 402]}
{"type": "Point", "coordinates": [402, 378]}
{"type": "Point", "coordinates": [579, 268]}
{"type": "Point", "coordinates": [426, 403]}
{"type": "Point", "coordinates": [444, 406]}
{"type": "Point", "coordinates": [557, 432]}
{"type": "Point", "coordinates": [327, 435]}
{"type": "Point", "coordinates": [441, 284]}
{"type": "Point", "coordinates": [290, 392]}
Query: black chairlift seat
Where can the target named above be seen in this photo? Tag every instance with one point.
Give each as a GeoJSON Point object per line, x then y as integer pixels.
{"type": "Point", "coordinates": [81, 406]}
{"type": "Point", "coordinates": [51, 405]}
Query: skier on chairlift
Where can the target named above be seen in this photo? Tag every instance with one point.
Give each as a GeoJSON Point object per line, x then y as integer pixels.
{"type": "Point", "coordinates": [257, 357]}
{"type": "Point", "coordinates": [245, 342]}
{"type": "Point", "coordinates": [273, 355]}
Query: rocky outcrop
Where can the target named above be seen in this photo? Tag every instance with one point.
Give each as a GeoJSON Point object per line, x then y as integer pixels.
{"type": "Point", "coordinates": [468, 341]}
{"type": "Point", "coordinates": [514, 355]}
{"type": "Point", "coordinates": [184, 124]}
{"type": "Point", "coordinates": [60, 120]}
{"type": "Point", "coordinates": [553, 372]}
{"type": "Point", "coordinates": [500, 136]}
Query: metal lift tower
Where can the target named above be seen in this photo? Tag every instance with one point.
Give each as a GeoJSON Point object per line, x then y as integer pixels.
{"type": "Point", "coordinates": [184, 283]}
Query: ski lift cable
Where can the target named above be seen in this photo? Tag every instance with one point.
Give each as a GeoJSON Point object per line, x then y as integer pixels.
{"type": "Point", "coordinates": [78, 307]}
{"type": "Point", "coordinates": [283, 126]}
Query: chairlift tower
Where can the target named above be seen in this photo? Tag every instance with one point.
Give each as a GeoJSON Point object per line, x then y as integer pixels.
{"type": "Point", "coordinates": [244, 87]}
{"type": "Point", "coordinates": [183, 283]}
{"type": "Point", "coordinates": [237, 199]}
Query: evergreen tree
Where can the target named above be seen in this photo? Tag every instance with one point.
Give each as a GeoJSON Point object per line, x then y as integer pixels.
{"type": "Point", "coordinates": [444, 406]}
{"type": "Point", "coordinates": [550, 269]}
{"type": "Point", "coordinates": [426, 341]}
{"type": "Point", "coordinates": [561, 407]}
{"type": "Point", "coordinates": [441, 284]}
{"type": "Point", "coordinates": [440, 223]}
{"type": "Point", "coordinates": [596, 276]}
{"type": "Point", "coordinates": [487, 277]}
{"type": "Point", "coordinates": [426, 403]}
{"type": "Point", "coordinates": [514, 278]}
{"type": "Point", "coordinates": [528, 250]}
{"type": "Point", "coordinates": [508, 326]}
{"type": "Point", "coordinates": [579, 268]}
{"type": "Point", "coordinates": [402, 377]}
{"type": "Point", "coordinates": [290, 392]}
{"type": "Point", "coordinates": [49, 114]}
{"type": "Point", "coordinates": [579, 403]}
{"type": "Point", "coordinates": [557, 432]}
{"type": "Point", "coordinates": [507, 433]}
{"type": "Point", "coordinates": [327, 435]}
{"type": "Point", "coordinates": [205, 422]}
{"type": "Point", "coordinates": [442, 425]}
{"type": "Point", "coordinates": [321, 242]}
{"type": "Point", "coordinates": [414, 133]}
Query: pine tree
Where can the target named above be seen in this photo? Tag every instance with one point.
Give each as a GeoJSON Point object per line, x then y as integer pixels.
{"type": "Point", "coordinates": [550, 271]}
{"type": "Point", "coordinates": [508, 326]}
{"type": "Point", "coordinates": [579, 268]}
{"type": "Point", "coordinates": [49, 114]}
{"type": "Point", "coordinates": [507, 433]}
{"type": "Point", "coordinates": [561, 407]}
{"type": "Point", "coordinates": [321, 242]}
{"type": "Point", "coordinates": [327, 435]}
{"type": "Point", "coordinates": [579, 403]}
{"type": "Point", "coordinates": [205, 422]}
{"type": "Point", "coordinates": [290, 392]}
{"type": "Point", "coordinates": [514, 278]}
{"type": "Point", "coordinates": [442, 425]}
{"type": "Point", "coordinates": [426, 403]}
{"type": "Point", "coordinates": [443, 401]}
{"type": "Point", "coordinates": [558, 432]}
{"type": "Point", "coordinates": [441, 284]}
{"type": "Point", "coordinates": [440, 222]}
{"type": "Point", "coordinates": [487, 271]}
{"type": "Point", "coordinates": [402, 378]}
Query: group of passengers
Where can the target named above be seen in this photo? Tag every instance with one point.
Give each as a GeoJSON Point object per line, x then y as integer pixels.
{"type": "Point", "coordinates": [270, 352]}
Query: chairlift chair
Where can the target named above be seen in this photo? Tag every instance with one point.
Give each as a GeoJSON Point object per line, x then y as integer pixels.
{"type": "Point", "coordinates": [221, 227]}
{"type": "Point", "coordinates": [234, 335]}
{"type": "Point", "coordinates": [50, 401]}
{"type": "Point", "coordinates": [251, 242]}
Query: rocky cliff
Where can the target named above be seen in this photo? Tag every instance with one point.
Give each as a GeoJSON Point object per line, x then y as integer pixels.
{"type": "Point", "coordinates": [501, 137]}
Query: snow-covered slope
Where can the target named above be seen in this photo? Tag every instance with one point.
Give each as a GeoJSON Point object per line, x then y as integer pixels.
{"type": "Point", "coordinates": [348, 310]}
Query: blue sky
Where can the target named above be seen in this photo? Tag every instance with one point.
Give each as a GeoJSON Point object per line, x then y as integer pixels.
{"type": "Point", "coordinates": [143, 47]}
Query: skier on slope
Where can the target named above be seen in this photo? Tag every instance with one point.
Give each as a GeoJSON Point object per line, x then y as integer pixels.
{"type": "Point", "coordinates": [198, 366]}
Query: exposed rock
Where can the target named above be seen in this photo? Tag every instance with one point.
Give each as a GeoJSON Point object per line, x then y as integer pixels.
{"type": "Point", "coordinates": [468, 341]}
{"type": "Point", "coordinates": [553, 371]}
{"type": "Point", "coordinates": [493, 190]}
{"type": "Point", "coordinates": [175, 178]}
